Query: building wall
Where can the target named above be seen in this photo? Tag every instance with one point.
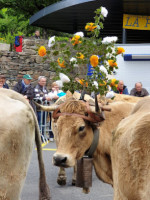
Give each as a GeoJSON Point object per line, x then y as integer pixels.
{"type": "Point", "coordinates": [134, 71]}
{"type": "Point", "coordinates": [15, 64]}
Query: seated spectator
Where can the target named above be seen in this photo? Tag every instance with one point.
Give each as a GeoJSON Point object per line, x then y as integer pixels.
{"type": "Point", "coordinates": [41, 96]}
{"type": "Point", "coordinates": [121, 89]}
{"type": "Point", "coordinates": [25, 88]}
{"type": "Point", "coordinates": [55, 92]}
{"type": "Point", "coordinates": [3, 80]}
{"type": "Point", "coordinates": [138, 91]}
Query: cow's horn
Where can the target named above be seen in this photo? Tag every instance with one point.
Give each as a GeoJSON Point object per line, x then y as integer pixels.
{"type": "Point", "coordinates": [97, 109]}
{"type": "Point", "coordinates": [46, 108]}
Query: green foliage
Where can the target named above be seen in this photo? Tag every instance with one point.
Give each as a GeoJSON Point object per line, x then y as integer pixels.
{"type": "Point", "coordinates": [26, 7]}
{"type": "Point", "coordinates": [11, 25]}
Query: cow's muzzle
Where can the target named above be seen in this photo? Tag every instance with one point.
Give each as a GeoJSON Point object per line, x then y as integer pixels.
{"type": "Point", "coordinates": [60, 160]}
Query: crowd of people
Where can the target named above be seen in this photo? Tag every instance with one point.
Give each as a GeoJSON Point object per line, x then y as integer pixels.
{"type": "Point", "coordinates": [137, 91]}
{"type": "Point", "coordinates": [37, 93]}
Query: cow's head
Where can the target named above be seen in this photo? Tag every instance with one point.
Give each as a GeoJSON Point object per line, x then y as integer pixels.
{"type": "Point", "coordinates": [75, 125]}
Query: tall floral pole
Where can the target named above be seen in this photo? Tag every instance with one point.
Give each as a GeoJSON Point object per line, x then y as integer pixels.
{"type": "Point", "coordinates": [99, 53]}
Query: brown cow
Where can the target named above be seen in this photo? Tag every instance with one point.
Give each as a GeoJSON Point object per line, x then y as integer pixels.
{"type": "Point", "coordinates": [130, 155]}
{"type": "Point", "coordinates": [76, 135]}
{"type": "Point", "coordinates": [18, 130]}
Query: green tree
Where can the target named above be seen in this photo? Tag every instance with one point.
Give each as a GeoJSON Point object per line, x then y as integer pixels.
{"type": "Point", "coordinates": [26, 7]}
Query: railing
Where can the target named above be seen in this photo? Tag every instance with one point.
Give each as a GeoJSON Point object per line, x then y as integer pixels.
{"type": "Point", "coordinates": [44, 122]}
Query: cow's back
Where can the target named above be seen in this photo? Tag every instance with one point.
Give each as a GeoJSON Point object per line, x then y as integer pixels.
{"type": "Point", "coordinates": [130, 155]}
{"type": "Point", "coordinates": [16, 143]}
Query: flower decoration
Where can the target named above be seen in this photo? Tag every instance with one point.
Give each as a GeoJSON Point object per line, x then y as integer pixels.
{"type": "Point", "coordinates": [76, 40]}
{"type": "Point", "coordinates": [101, 53]}
{"type": "Point", "coordinates": [81, 34]}
{"type": "Point", "coordinates": [90, 27]}
{"type": "Point", "coordinates": [94, 60]}
{"type": "Point", "coordinates": [110, 95]}
{"type": "Point", "coordinates": [42, 51]}
{"type": "Point", "coordinates": [120, 50]}
{"type": "Point", "coordinates": [114, 83]}
{"type": "Point", "coordinates": [104, 11]}
{"type": "Point", "coordinates": [64, 78]}
{"type": "Point", "coordinates": [83, 82]}
{"type": "Point", "coordinates": [112, 63]}
{"type": "Point", "coordinates": [51, 41]}
{"type": "Point", "coordinates": [103, 69]}
{"type": "Point", "coordinates": [103, 83]}
{"type": "Point", "coordinates": [61, 62]}
{"type": "Point", "coordinates": [107, 40]}
{"type": "Point", "coordinates": [80, 56]}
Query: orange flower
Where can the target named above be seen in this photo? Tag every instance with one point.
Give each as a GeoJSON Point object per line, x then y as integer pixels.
{"type": "Point", "coordinates": [61, 62]}
{"type": "Point", "coordinates": [42, 51]}
{"type": "Point", "coordinates": [113, 82]}
{"type": "Point", "coordinates": [120, 50]}
{"type": "Point", "coordinates": [90, 27]}
{"type": "Point", "coordinates": [94, 60]}
{"type": "Point", "coordinates": [76, 40]}
{"type": "Point", "coordinates": [82, 82]}
{"type": "Point", "coordinates": [112, 63]}
{"type": "Point", "coordinates": [102, 84]}
{"type": "Point", "coordinates": [80, 55]}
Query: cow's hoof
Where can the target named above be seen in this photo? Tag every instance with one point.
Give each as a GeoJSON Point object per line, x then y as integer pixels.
{"type": "Point", "coordinates": [61, 181]}
{"type": "Point", "coordinates": [73, 182]}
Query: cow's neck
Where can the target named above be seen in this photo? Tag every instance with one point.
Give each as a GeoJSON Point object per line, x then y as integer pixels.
{"type": "Point", "coordinates": [102, 155]}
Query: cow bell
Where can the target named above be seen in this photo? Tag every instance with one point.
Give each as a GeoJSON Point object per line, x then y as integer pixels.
{"type": "Point", "coordinates": [84, 173]}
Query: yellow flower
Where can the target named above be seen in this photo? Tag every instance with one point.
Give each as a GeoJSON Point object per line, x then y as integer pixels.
{"type": "Point", "coordinates": [42, 51]}
{"type": "Point", "coordinates": [113, 83]}
{"type": "Point", "coordinates": [82, 82]}
{"type": "Point", "coordinates": [90, 27]}
{"type": "Point", "coordinates": [80, 55]}
{"type": "Point", "coordinates": [102, 84]}
{"type": "Point", "coordinates": [112, 63]}
{"type": "Point", "coordinates": [94, 60]}
{"type": "Point", "coordinates": [61, 62]}
{"type": "Point", "coordinates": [120, 50]}
{"type": "Point", "coordinates": [76, 40]}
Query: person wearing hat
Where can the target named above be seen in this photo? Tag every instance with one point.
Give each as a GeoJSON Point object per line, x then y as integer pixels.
{"type": "Point", "coordinates": [25, 88]}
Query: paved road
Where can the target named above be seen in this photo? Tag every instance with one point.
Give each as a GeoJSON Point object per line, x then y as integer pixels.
{"type": "Point", "coordinates": [99, 190]}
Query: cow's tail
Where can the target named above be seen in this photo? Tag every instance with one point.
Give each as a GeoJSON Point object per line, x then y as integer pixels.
{"type": "Point", "coordinates": [43, 187]}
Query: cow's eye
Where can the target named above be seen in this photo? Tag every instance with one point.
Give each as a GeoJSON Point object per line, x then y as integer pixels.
{"type": "Point", "coordinates": [81, 128]}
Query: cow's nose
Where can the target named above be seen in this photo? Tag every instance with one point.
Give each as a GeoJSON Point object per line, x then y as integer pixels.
{"type": "Point", "coordinates": [59, 160]}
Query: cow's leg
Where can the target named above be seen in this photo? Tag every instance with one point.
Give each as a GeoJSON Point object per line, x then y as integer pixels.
{"type": "Point", "coordinates": [61, 179]}
{"type": "Point", "coordinates": [74, 175]}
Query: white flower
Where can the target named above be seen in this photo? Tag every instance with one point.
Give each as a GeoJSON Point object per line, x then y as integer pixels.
{"type": "Point", "coordinates": [110, 95]}
{"type": "Point", "coordinates": [96, 84]}
{"type": "Point", "coordinates": [104, 11]}
{"type": "Point", "coordinates": [64, 78]}
{"type": "Point", "coordinates": [103, 69]}
{"type": "Point", "coordinates": [74, 61]}
{"type": "Point", "coordinates": [81, 34]}
{"type": "Point", "coordinates": [51, 41]}
{"type": "Point", "coordinates": [107, 40]}
{"type": "Point", "coordinates": [59, 83]}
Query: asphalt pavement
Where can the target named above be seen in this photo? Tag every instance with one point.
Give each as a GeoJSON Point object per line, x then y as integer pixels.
{"type": "Point", "coordinates": [98, 191]}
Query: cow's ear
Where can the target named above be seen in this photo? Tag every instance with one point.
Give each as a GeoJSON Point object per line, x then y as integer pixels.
{"type": "Point", "coordinates": [68, 95]}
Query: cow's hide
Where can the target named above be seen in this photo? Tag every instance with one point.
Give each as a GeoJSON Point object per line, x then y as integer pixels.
{"type": "Point", "coordinates": [130, 155]}
{"type": "Point", "coordinates": [18, 130]}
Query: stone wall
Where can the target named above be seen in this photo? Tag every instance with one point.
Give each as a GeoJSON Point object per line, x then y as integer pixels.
{"type": "Point", "coordinates": [15, 64]}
